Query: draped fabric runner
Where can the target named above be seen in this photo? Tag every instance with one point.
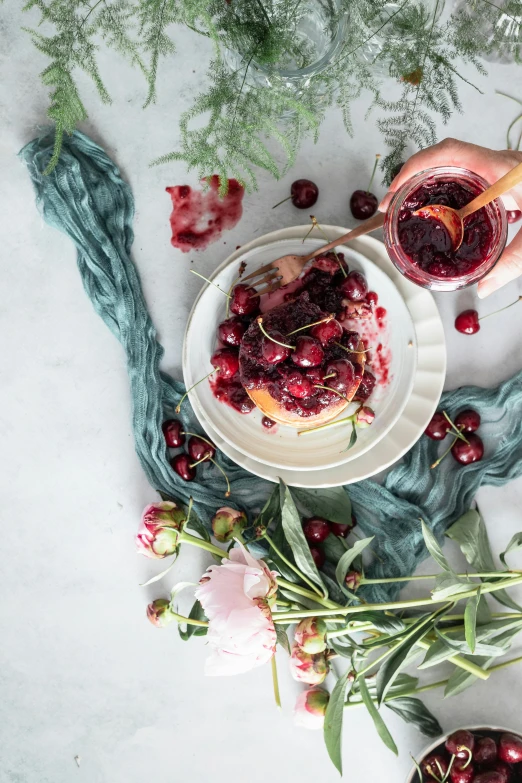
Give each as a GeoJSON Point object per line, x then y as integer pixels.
{"type": "Point", "coordinates": [86, 198]}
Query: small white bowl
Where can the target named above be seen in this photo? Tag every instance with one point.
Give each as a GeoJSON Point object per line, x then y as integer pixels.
{"type": "Point", "coordinates": [283, 448]}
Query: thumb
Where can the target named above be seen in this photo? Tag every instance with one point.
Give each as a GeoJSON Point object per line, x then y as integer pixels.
{"type": "Point", "coordinates": [508, 268]}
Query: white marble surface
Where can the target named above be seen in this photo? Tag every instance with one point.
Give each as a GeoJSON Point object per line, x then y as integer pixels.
{"type": "Point", "coordinates": [82, 672]}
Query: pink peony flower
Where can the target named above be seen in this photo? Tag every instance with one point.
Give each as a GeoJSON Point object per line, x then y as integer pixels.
{"type": "Point", "coordinates": [364, 416]}
{"type": "Point", "coordinates": [227, 523]}
{"type": "Point", "coordinates": [159, 613]}
{"type": "Point", "coordinates": [310, 708]}
{"type": "Point", "coordinates": [159, 529]}
{"type": "Point", "coordinates": [304, 667]}
{"type": "Point", "coordinates": [236, 597]}
{"type": "Point", "coordinates": [310, 635]}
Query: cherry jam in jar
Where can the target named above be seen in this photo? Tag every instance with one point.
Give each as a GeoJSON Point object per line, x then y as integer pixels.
{"type": "Point", "coordinates": [421, 248]}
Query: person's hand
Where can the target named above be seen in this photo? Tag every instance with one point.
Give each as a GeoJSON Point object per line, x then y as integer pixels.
{"type": "Point", "coordinates": [490, 164]}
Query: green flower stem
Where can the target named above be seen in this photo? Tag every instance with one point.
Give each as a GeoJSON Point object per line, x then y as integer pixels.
{"type": "Point", "coordinates": [505, 664]}
{"type": "Point", "coordinates": [462, 663]}
{"type": "Point", "coordinates": [411, 692]}
{"type": "Point", "coordinates": [188, 620]}
{"type": "Point", "coordinates": [186, 538]}
{"type": "Point", "coordinates": [486, 575]}
{"type": "Point", "coordinates": [330, 424]}
{"type": "Point", "coordinates": [293, 567]}
{"type": "Point", "coordinates": [333, 607]}
{"type": "Point", "coordinates": [275, 682]}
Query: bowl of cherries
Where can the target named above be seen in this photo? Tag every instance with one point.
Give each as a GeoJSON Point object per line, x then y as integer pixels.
{"type": "Point", "coordinates": [474, 755]}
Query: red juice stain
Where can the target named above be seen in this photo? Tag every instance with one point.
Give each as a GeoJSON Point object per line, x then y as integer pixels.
{"type": "Point", "coordinates": [198, 217]}
{"type": "Point", "coordinates": [372, 298]}
{"type": "Point", "coordinates": [231, 392]}
{"type": "Point", "coordinates": [268, 424]}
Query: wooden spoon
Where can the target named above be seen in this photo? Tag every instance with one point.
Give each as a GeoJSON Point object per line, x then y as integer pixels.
{"type": "Point", "coordinates": [452, 219]}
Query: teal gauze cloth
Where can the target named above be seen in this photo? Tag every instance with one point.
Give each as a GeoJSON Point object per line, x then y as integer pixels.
{"type": "Point", "coordinates": [86, 198]}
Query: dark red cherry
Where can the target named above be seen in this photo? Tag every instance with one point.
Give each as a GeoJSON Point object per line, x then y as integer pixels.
{"type": "Point", "coordinates": [316, 530]}
{"type": "Point", "coordinates": [199, 449]}
{"type": "Point", "coordinates": [231, 331]}
{"type": "Point", "coordinates": [328, 264]}
{"type": "Point", "coordinates": [308, 352]}
{"type": "Point", "coordinates": [245, 300]}
{"type": "Point", "coordinates": [462, 771]}
{"type": "Point", "coordinates": [227, 360]}
{"type": "Point", "coordinates": [466, 453]}
{"type": "Point", "coordinates": [318, 556]}
{"type": "Point", "coordinates": [299, 386]}
{"type": "Point", "coordinates": [182, 465]}
{"type": "Point", "coordinates": [485, 751]}
{"type": "Point", "coordinates": [272, 352]}
{"type": "Point", "coordinates": [351, 340]}
{"type": "Point", "coordinates": [434, 766]}
{"type": "Point", "coordinates": [355, 287]}
{"type": "Point", "coordinates": [173, 431]}
{"type": "Point", "coordinates": [363, 204]}
{"type": "Point", "coordinates": [338, 529]}
{"type": "Point", "coordinates": [268, 423]}
{"type": "Point", "coordinates": [467, 421]}
{"type": "Point", "coordinates": [467, 322]}
{"type": "Point", "coordinates": [503, 769]}
{"type": "Point", "coordinates": [304, 193]}
{"type": "Point", "coordinates": [344, 375]}
{"type": "Point", "coordinates": [327, 332]}
{"type": "Point", "coordinates": [366, 386]}
{"type": "Point", "coordinates": [438, 427]}
{"type": "Point", "coordinates": [461, 742]}
{"type": "Point", "coordinates": [490, 776]}
{"type": "Point", "coordinates": [510, 748]}
{"type": "Point", "coordinates": [513, 215]}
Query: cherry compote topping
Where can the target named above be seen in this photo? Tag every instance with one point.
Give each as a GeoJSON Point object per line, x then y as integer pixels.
{"type": "Point", "coordinates": [366, 386]}
{"type": "Point", "coordinates": [245, 300]}
{"type": "Point", "coordinates": [308, 352]}
{"type": "Point", "coordinates": [174, 436]}
{"type": "Point", "coordinates": [272, 350]}
{"type": "Point", "coordinates": [231, 331]}
{"type": "Point", "coordinates": [428, 244]}
{"type": "Point", "coordinates": [438, 427]}
{"type": "Point", "coordinates": [227, 360]}
{"type": "Point", "coordinates": [355, 287]}
{"type": "Point", "coordinates": [267, 423]}
{"type": "Point", "coordinates": [327, 332]}
{"type": "Point", "coordinates": [467, 322]}
{"type": "Point", "coordinates": [343, 375]}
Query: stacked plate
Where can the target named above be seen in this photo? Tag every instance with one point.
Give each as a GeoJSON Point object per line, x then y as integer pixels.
{"type": "Point", "coordinates": [413, 339]}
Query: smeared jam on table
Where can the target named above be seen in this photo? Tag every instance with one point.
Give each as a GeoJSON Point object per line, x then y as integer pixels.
{"type": "Point", "coordinates": [427, 243]}
{"type": "Point", "coordinates": [199, 217]}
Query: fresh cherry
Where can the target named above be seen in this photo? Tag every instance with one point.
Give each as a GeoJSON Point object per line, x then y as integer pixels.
{"type": "Point", "coordinates": [467, 421]}
{"type": "Point", "coordinates": [467, 322]}
{"type": "Point", "coordinates": [318, 556]}
{"type": "Point", "coordinates": [172, 430]}
{"type": "Point", "coordinates": [363, 204]}
{"type": "Point", "coordinates": [490, 776]}
{"type": "Point", "coordinates": [272, 352]}
{"type": "Point", "coordinates": [435, 766]}
{"type": "Point", "coordinates": [462, 771]}
{"type": "Point", "coordinates": [304, 193]}
{"type": "Point", "coordinates": [308, 352]}
{"type": "Point", "coordinates": [503, 769]}
{"type": "Point", "coordinates": [245, 300]}
{"type": "Point", "coordinates": [461, 742]}
{"type": "Point", "coordinates": [355, 287]}
{"type": "Point", "coordinates": [199, 449]}
{"type": "Point", "coordinates": [231, 331]}
{"type": "Point", "coordinates": [485, 751]}
{"type": "Point", "coordinates": [182, 465]}
{"type": "Point", "coordinates": [299, 386]}
{"type": "Point", "coordinates": [513, 215]}
{"type": "Point", "coordinates": [227, 360]}
{"type": "Point", "coordinates": [327, 332]}
{"type": "Point", "coordinates": [466, 453]}
{"type": "Point", "coordinates": [510, 748]}
{"type": "Point", "coordinates": [316, 529]}
{"type": "Point", "coordinates": [438, 427]}
{"type": "Point", "coordinates": [344, 375]}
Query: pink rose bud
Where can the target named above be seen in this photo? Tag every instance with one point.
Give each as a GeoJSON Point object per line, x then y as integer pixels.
{"type": "Point", "coordinates": [364, 417]}
{"type": "Point", "coordinates": [310, 708]}
{"type": "Point", "coordinates": [159, 612]}
{"type": "Point", "coordinates": [310, 635]}
{"type": "Point", "coordinates": [159, 529]}
{"type": "Point", "coordinates": [304, 667]}
{"type": "Point", "coordinates": [352, 580]}
{"type": "Point", "coordinates": [227, 523]}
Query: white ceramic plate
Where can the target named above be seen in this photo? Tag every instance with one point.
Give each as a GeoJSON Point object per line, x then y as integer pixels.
{"type": "Point", "coordinates": [424, 398]}
{"type": "Point", "coordinates": [282, 447]}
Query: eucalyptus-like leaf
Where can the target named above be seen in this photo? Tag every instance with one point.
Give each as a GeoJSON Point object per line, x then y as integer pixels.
{"type": "Point", "coordinates": [484, 615]}
{"type": "Point", "coordinates": [438, 652]}
{"type": "Point", "coordinates": [332, 503]}
{"type": "Point", "coordinates": [448, 584]}
{"type": "Point", "coordinates": [333, 721]}
{"type": "Point", "coordinates": [293, 530]}
{"type": "Point", "coordinates": [196, 613]}
{"type": "Point", "coordinates": [513, 546]}
{"type": "Point", "coordinates": [343, 566]}
{"type": "Point", "coordinates": [380, 725]}
{"type": "Point", "coordinates": [282, 637]}
{"type": "Point", "coordinates": [412, 710]}
{"type": "Point", "coordinates": [404, 682]}
{"type": "Point", "coordinates": [470, 620]}
{"type": "Point", "coordinates": [460, 679]}
{"type": "Point", "coordinates": [433, 547]}
{"type": "Point", "coordinates": [385, 622]}
{"type": "Point", "coordinates": [481, 648]}
{"type": "Point", "coordinates": [344, 650]}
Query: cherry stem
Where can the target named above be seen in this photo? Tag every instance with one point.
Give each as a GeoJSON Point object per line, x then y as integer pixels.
{"type": "Point", "coordinates": [315, 323]}
{"type": "Point", "coordinates": [348, 350]}
{"type": "Point", "coordinates": [227, 493]}
{"type": "Point", "coordinates": [329, 388]}
{"type": "Point", "coordinates": [281, 202]}
{"type": "Point", "coordinates": [315, 224]}
{"type": "Point", "coordinates": [259, 321]}
{"type": "Point", "coordinates": [458, 432]}
{"type": "Point", "coordinates": [178, 406]}
{"type": "Point", "coordinates": [373, 172]}
{"type": "Point", "coordinates": [332, 375]}
{"type": "Point", "coordinates": [470, 756]}
{"type": "Point", "coordinates": [210, 283]}
{"type": "Point", "coordinates": [275, 682]}
{"type": "Point", "coordinates": [205, 458]}
{"type": "Point", "coordinates": [501, 309]}
{"type": "Point", "coordinates": [195, 435]}
{"type": "Point", "coordinates": [437, 463]}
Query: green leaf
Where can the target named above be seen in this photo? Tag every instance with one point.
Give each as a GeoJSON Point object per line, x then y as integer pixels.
{"type": "Point", "coordinates": [333, 548]}
{"type": "Point", "coordinates": [282, 637]}
{"type": "Point", "coordinates": [196, 613]}
{"type": "Point", "coordinates": [294, 535]}
{"type": "Point", "coordinates": [271, 509]}
{"type": "Point", "coordinates": [513, 546]}
{"type": "Point", "coordinates": [382, 621]}
{"type": "Point", "coordinates": [380, 725]}
{"type": "Point", "coordinates": [481, 648]}
{"type": "Point", "coordinates": [438, 651]}
{"type": "Point", "coordinates": [448, 584]}
{"type": "Point", "coordinates": [353, 438]}
{"type": "Point", "coordinates": [344, 650]}
{"type": "Point", "coordinates": [334, 591]}
{"type": "Point", "coordinates": [413, 710]}
{"type": "Point", "coordinates": [470, 620]}
{"type": "Point", "coordinates": [460, 680]}
{"type": "Point", "coordinates": [333, 721]}
{"type": "Point", "coordinates": [484, 615]}
{"type": "Point", "coordinates": [433, 548]}
{"type": "Point", "coordinates": [343, 566]}
{"type": "Point", "coordinates": [331, 503]}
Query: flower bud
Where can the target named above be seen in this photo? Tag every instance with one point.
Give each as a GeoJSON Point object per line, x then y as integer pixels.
{"type": "Point", "coordinates": [304, 667]}
{"type": "Point", "coordinates": [310, 708]}
{"type": "Point", "coordinates": [159, 612]}
{"type": "Point", "coordinates": [352, 580]}
{"type": "Point", "coordinates": [310, 635]}
{"type": "Point", "coordinates": [364, 416]}
{"type": "Point", "coordinates": [159, 529]}
{"type": "Point", "coordinates": [227, 523]}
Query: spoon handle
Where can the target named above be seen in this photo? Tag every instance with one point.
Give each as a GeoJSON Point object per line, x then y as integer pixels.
{"type": "Point", "coordinates": [372, 224]}
{"type": "Point", "coordinates": [502, 185]}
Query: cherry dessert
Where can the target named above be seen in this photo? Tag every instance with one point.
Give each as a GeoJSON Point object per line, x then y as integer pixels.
{"type": "Point", "coordinates": [467, 322]}
{"type": "Point", "coordinates": [226, 361]}
{"type": "Point", "coordinates": [172, 430]}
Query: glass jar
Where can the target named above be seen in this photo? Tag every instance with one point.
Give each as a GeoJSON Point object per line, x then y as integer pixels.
{"type": "Point", "coordinates": [500, 28]}
{"type": "Point", "coordinates": [494, 213]}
